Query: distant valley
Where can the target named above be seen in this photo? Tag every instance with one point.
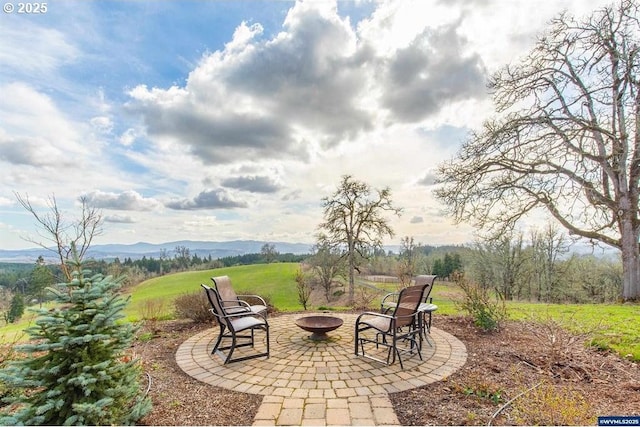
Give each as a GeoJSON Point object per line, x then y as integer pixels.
{"type": "Point", "coordinates": [138, 250]}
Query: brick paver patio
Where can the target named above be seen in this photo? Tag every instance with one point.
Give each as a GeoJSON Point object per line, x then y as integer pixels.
{"type": "Point", "coordinates": [320, 383]}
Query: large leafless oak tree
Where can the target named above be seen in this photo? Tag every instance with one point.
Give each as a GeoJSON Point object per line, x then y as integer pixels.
{"type": "Point", "coordinates": [354, 220]}
{"type": "Point", "coordinates": [565, 138]}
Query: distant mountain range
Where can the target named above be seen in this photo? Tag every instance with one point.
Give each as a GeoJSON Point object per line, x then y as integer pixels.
{"type": "Point", "coordinates": [138, 250]}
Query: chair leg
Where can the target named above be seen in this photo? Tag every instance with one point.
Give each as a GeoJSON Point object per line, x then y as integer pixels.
{"type": "Point", "coordinates": [267, 331]}
{"type": "Point", "coordinates": [233, 347]}
{"type": "Point", "coordinates": [219, 340]}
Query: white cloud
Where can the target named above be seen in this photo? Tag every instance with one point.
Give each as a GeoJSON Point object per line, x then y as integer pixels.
{"type": "Point", "coordinates": [128, 137]}
{"type": "Point", "coordinates": [102, 124]}
{"type": "Point", "coordinates": [208, 199]}
{"type": "Point", "coordinates": [303, 90]}
{"type": "Point", "coordinates": [119, 219]}
{"type": "Point", "coordinates": [34, 131]}
{"type": "Point", "coordinates": [5, 201]}
{"type": "Point", "coordinates": [34, 50]}
{"type": "Point", "coordinates": [126, 201]}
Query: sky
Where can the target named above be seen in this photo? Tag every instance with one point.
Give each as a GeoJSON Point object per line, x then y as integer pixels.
{"type": "Point", "coordinates": [230, 120]}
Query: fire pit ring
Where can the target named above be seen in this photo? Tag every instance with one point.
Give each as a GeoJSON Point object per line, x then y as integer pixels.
{"type": "Point", "coordinates": [319, 326]}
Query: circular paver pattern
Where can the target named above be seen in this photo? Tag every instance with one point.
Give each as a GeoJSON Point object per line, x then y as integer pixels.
{"type": "Point", "coordinates": [302, 368]}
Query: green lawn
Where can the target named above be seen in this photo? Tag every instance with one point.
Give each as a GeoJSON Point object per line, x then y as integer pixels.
{"type": "Point", "coordinates": [275, 282]}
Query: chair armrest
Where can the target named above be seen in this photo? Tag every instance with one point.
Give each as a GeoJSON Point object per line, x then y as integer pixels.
{"type": "Point", "coordinates": [388, 302]}
{"type": "Point", "coordinates": [214, 312]}
{"type": "Point", "coordinates": [235, 303]}
{"type": "Point", "coordinates": [392, 295]}
{"type": "Point", "coordinates": [240, 314]}
{"type": "Point", "coordinates": [373, 313]}
{"type": "Point", "coordinates": [258, 297]}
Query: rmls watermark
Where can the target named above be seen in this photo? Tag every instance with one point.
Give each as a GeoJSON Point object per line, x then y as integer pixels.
{"type": "Point", "coordinates": [619, 421]}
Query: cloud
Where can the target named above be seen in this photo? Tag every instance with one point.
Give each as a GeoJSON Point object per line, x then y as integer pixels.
{"type": "Point", "coordinates": [417, 220]}
{"type": "Point", "coordinates": [125, 201]}
{"type": "Point", "coordinates": [119, 219]}
{"type": "Point", "coordinates": [313, 86]}
{"type": "Point", "coordinates": [253, 184]}
{"type": "Point", "coordinates": [30, 151]}
{"type": "Point", "coordinates": [207, 199]}
{"type": "Point", "coordinates": [102, 124]}
{"type": "Point", "coordinates": [431, 72]}
{"type": "Point", "coordinates": [4, 201]}
{"type": "Point", "coordinates": [314, 70]}
{"type": "Point", "coordinates": [34, 50]}
{"type": "Point", "coordinates": [128, 137]}
{"type": "Point", "coordinates": [428, 179]}
{"type": "Point", "coordinates": [34, 131]}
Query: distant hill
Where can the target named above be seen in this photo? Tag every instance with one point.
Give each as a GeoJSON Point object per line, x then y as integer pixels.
{"type": "Point", "coordinates": [142, 249]}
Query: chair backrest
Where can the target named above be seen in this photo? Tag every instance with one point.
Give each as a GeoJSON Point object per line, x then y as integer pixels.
{"type": "Point", "coordinates": [225, 291]}
{"type": "Point", "coordinates": [408, 302]}
{"type": "Point", "coordinates": [427, 280]}
{"type": "Point", "coordinates": [216, 304]}
{"type": "Point", "coordinates": [210, 296]}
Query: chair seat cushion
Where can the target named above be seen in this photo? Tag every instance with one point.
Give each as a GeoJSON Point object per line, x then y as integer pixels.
{"type": "Point", "coordinates": [423, 306]}
{"type": "Point", "coordinates": [382, 324]}
{"type": "Point", "coordinates": [246, 322]}
{"type": "Point", "coordinates": [258, 308]}
{"type": "Point", "coordinates": [426, 307]}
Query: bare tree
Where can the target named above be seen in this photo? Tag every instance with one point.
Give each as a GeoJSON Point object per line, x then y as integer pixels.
{"type": "Point", "coordinates": [353, 219]}
{"type": "Point", "coordinates": [182, 255]}
{"type": "Point", "coordinates": [269, 252]}
{"type": "Point", "coordinates": [407, 263]}
{"type": "Point", "coordinates": [303, 287]}
{"type": "Point", "coordinates": [164, 255]}
{"type": "Point", "coordinates": [566, 138]}
{"type": "Point", "coordinates": [327, 264]}
{"type": "Point", "coordinates": [546, 248]}
{"type": "Point", "coordinates": [500, 262]}
{"type": "Point", "coordinates": [61, 236]}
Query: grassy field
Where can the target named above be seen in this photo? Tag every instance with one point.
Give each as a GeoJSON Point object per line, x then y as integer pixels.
{"type": "Point", "coordinates": [275, 282]}
{"type": "Point", "coordinates": [613, 326]}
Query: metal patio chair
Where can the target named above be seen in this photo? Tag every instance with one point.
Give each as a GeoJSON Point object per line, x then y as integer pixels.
{"type": "Point", "coordinates": [233, 321]}
{"type": "Point", "coordinates": [425, 309]}
{"type": "Point", "coordinates": [232, 301]}
{"type": "Point", "coordinates": [397, 330]}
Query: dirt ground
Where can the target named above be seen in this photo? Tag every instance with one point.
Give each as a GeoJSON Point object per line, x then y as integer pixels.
{"type": "Point", "coordinates": [524, 374]}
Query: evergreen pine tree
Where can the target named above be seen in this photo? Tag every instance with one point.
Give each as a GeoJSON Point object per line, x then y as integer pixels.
{"type": "Point", "coordinates": [16, 310]}
{"type": "Point", "coordinates": [76, 370]}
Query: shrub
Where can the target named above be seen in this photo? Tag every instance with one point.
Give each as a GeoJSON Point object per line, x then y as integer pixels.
{"type": "Point", "coordinates": [75, 369]}
{"type": "Point", "coordinates": [547, 404]}
{"type": "Point", "coordinates": [487, 312]}
{"type": "Point", "coordinates": [364, 297]}
{"type": "Point", "coordinates": [193, 306]}
{"type": "Point", "coordinates": [153, 309]}
{"type": "Point", "coordinates": [557, 343]}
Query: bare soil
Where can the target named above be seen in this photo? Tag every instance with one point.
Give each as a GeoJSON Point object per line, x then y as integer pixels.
{"type": "Point", "coordinates": [524, 374]}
